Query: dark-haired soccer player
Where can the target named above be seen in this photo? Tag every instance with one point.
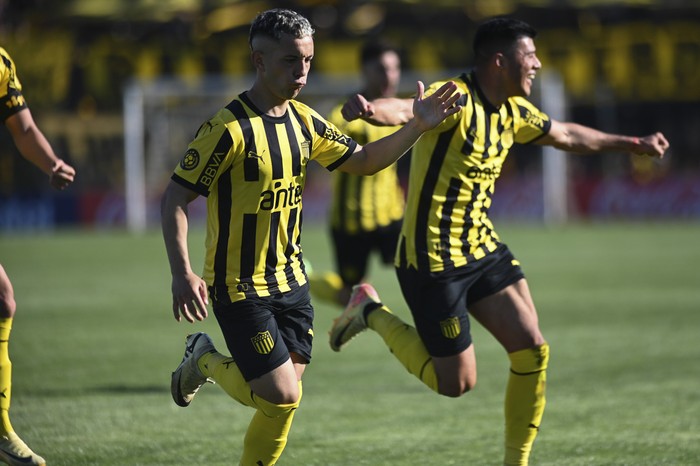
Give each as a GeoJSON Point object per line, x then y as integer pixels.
{"type": "Point", "coordinates": [450, 262]}
{"type": "Point", "coordinates": [365, 211]}
{"type": "Point", "coordinates": [249, 161]}
{"type": "Point", "coordinates": [33, 146]}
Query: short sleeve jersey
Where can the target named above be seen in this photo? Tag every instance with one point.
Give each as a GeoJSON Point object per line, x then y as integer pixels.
{"type": "Point", "coordinates": [11, 99]}
{"type": "Point", "coordinates": [453, 172]}
{"type": "Point", "coordinates": [251, 167]}
{"type": "Point", "coordinates": [365, 203]}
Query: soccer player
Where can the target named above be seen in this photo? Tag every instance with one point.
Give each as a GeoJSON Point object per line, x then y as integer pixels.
{"type": "Point", "coordinates": [33, 146]}
{"type": "Point", "coordinates": [250, 161]}
{"type": "Point", "coordinates": [450, 262]}
{"type": "Point", "coordinates": [366, 211]}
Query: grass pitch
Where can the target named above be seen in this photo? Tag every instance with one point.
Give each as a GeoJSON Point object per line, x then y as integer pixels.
{"type": "Point", "coordinates": [94, 343]}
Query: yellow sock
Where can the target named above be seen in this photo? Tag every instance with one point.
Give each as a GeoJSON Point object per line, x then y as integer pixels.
{"type": "Point", "coordinates": [267, 434]}
{"type": "Point", "coordinates": [226, 373]}
{"type": "Point", "coordinates": [5, 375]}
{"type": "Point", "coordinates": [403, 341]}
{"type": "Point", "coordinates": [326, 287]}
{"type": "Point", "coordinates": [525, 401]}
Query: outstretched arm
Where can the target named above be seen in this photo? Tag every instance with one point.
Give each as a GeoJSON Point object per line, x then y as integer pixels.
{"type": "Point", "coordinates": [33, 146]}
{"type": "Point", "coordinates": [189, 290]}
{"type": "Point", "coordinates": [427, 113]}
{"type": "Point", "coordinates": [573, 137]}
{"type": "Point", "coordinates": [385, 111]}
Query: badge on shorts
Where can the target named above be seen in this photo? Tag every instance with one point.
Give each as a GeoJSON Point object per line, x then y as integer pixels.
{"type": "Point", "coordinates": [263, 342]}
{"type": "Point", "coordinates": [451, 328]}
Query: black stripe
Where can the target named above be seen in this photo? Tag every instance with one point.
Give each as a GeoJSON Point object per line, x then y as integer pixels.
{"type": "Point", "coordinates": [289, 250]}
{"type": "Point", "coordinates": [546, 125]}
{"type": "Point", "coordinates": [527, 373]}
{"type": "Point", "coordinates": [345, 156]}
{"type": "Point", "coordinates": [468, 222]}
{"type": "Point", "coordinates": [487, 133]}
{"type": "Point", "coordinates": [224, 219]}
{"type": "Point", "coordinates": [485, 213]}
{"type": "Point", "coordinates": [273, 144]}
{"type": "Point", "coordinates": [251, 164]}
{"type": "Point", "coordinates": [213, 165]}
{"type": "Point", "coordinates": [446, 221]}
{"type": "Point", "coordinates": [271, 255]}
{"type": "Point", "coordinates": [322, 130]}
{"type": "Point", "coordinates": [468, 146]}
{"type": "Point", "coordinates": [247, 254]}
{"type": "Point", "coordinates": [426, 196]}
{"type": "Point", "coordinates": [304, 129]}
{"type": "Point", "coordinates": [403, 262]}
{"type": "Point", "coordinates": [373, 184]}
{"type": "Point", "coordinates": [201, 190]}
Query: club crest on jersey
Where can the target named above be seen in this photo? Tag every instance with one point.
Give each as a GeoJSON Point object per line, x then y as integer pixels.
{"type": "Point", "coordinates": [451, 328]}
{"type": "Point", "coordinates": [190, 160]}
{"type": "Point", "coordinates": [305, 152]}
{"type": "Point", "coordinates": [263, 342]}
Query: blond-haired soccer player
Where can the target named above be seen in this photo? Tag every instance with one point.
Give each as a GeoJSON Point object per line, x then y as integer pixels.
{"type": "Point", "coordinates": [365, 211]}
{"type": "Point", "coordinates": [249, 161]}
{"type": "Point", "coordinates": [33, 146]}
{"type": "Point", "coordinates": [450, 262]}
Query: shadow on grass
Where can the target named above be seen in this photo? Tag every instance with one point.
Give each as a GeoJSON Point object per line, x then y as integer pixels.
{"type": "Point", "coordinates": [105, 389]}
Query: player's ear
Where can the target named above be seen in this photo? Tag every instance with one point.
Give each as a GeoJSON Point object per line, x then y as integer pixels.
{"type": "Point", "coordinates": [256, 57]}
{"type": "Point", "coordinates": [500, 60]}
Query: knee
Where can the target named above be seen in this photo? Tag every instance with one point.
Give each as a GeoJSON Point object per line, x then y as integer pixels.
{"type": "Point", "coordinates": [286, 405]}
{"type": "Point", "coordinates": [7, 296]}
{"type": "Point", "coordinates": [455, 388]}
{"type": "Point", "coordinates": [8, 306]}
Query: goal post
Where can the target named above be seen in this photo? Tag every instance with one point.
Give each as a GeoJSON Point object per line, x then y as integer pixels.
{"type": "Point", "coordinates": [162, 115]}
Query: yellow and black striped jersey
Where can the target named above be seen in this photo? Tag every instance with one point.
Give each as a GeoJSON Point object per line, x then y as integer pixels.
{"type": "Point", "coordinates": [11, 99]}
{"type": "Point", "coordinates": [453, 171]}
{"type": "Point", "coordinates": [365, 203]}
{"type": "Point", "coordinates": [252, 169]}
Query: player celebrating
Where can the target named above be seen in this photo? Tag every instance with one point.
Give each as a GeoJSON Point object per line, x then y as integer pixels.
{"type": "Point", "coordinates": [450, 262]}
{"type": "Point", "coordinates": [366, 211]}
{"type": "Point", "coordinates": [250, 162]}
{"type": "Point", "coordinates": [34, 147]}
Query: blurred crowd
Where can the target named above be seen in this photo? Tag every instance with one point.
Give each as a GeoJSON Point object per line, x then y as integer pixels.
{"type": "Point", "coordinates": [625, 68]}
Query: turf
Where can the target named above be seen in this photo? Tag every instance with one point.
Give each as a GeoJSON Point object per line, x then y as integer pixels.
{"type": "Point", "coordinates": [94, 343]}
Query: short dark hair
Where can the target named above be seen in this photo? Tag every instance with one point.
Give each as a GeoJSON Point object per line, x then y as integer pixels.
{"type": "Point", "coordinates": [373, 49]}
{"type": "Point", "coordinates": [499, 35]}
{"type": "Point", "coordinates": [277, 21]}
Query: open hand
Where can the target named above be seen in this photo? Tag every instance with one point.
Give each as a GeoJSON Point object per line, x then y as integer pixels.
{"type": "Point", "coordinates": [428, 112]}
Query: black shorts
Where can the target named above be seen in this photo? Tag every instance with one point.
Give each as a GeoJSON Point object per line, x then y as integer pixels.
{"type": "Point", "coordinates": [261, 332]}
{"type": "Point", "coordinates": [352, 251]}
{"type": "Point", "coordinates": [439, 301]}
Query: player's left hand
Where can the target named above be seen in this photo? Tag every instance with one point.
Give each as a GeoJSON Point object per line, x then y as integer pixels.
{"type": "Point", "coordinates": [654, 145]}
{"type": "Point", "coordinates": [428, 112]}
{"type": "Point", "coordinates": [61, 175]}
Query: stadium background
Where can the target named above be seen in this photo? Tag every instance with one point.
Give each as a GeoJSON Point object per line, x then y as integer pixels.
{"type": "Point", "coordinates": [627, 66]}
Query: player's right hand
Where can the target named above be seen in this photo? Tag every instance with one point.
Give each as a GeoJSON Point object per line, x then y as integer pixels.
{"type": "Point", "coordinates": [189, 298]}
